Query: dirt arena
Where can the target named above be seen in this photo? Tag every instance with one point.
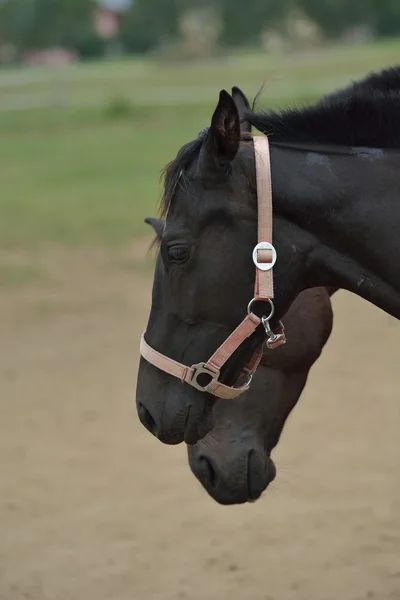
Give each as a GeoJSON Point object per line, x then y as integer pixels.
{"type": "Point", "coordinates": [92, 507]}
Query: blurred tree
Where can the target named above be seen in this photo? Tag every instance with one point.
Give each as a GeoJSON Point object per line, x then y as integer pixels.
{"type": "Point", "coordinates": [386, 16]}
{"type": "Point", "coordinates": [148, 22]}
{"type": "Point", "coordinates": [334, 16]}
{"type": "Point", "coordinates": [244, 21]}
{"type": "Point", "coordinates": [44, 23]}
{"type": "Point", "coordinates": [59, 22]}
{"type": "Point", "coordinates": [199, 29]}
{"type": "Point", "coordinates": [15, 19]}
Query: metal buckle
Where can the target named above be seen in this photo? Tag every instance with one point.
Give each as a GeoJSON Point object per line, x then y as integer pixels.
{"type": "Point", "coordinates": [273, 339]}
{"type": "Point", "coordinates": [201, 369]}
{"type": "Point", "coordinates": [249, 375]}
{"type": "Point", "coordinates": [264, 246]}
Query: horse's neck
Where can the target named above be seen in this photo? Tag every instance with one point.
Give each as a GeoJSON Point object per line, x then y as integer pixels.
{"type": "Point", "coordinates": [349, 206]}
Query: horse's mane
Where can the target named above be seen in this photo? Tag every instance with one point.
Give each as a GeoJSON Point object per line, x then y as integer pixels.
{"type": "Point", "coordinates": [365, 113]}
{"type": "Point", "coordinates": [173, 171]}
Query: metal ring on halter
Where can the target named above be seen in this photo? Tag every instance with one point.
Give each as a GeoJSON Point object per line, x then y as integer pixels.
{"type": "Point", "coordinates": [271, 314]}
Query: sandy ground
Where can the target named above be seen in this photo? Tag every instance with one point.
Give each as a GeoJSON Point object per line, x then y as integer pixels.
{"type": "Point", "coordinates": [93, 508]}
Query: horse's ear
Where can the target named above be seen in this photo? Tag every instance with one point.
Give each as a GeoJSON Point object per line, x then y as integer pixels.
{"type": "Point", "coordinates": [223, 137]}
{"type": "Point", "coordinates": [157, 225]}
{"type": "Point", "coordinates": [243, 106]}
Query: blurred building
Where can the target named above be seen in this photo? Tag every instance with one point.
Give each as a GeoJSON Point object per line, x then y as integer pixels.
{"type": "Point", "coordinates": [107, 17]}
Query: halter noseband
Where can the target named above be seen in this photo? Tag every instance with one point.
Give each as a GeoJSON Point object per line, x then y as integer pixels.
{"type": "Point", "coordinates": [264, 258]}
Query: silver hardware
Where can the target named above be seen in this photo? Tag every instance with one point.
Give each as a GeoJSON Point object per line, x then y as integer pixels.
{"type": "Point", "coordinates": [273, 339]}
{"type": "Point", "coordinates": [249, 379]}
{"type": "Point", "coordinates": [264, 266]}
{"type": "Point", "coordinates": [201, 369]}
{"type": "Point", "coordinates": [271, 314]}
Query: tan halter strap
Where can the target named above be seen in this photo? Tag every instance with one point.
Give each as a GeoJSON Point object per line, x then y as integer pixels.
{"type": "Point", "coordinates": [264, 254]}
{"type": "Point", "coordinates": [264, 258]}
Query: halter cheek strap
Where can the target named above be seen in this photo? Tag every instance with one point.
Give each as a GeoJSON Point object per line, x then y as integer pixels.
{"type": "Point", "coordinates": [205, 376]}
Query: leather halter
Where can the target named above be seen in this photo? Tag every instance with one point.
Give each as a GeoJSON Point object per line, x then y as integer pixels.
{"type": "Point", "coordinates": [264, 258]}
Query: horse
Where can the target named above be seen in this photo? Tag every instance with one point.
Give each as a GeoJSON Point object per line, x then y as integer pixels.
{"type": "Point", "coordinates": [335, 217]}
{"type": "Point", "coordinates": [233, 462]}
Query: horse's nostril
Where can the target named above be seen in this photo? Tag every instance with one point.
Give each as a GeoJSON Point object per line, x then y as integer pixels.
{"type": "Point", "coordinates": [208, 471]}
{"type": "Point", "coordinates": [146, 419]}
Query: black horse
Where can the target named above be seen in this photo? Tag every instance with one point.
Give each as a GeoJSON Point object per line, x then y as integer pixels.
{"type": "Point", "coordinates": [233, 462]}
{"type": "Point", "coordinates": [336, 219]}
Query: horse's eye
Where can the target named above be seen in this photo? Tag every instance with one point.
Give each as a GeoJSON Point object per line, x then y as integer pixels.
{"type": "Point", "coordinates": [178, 254]}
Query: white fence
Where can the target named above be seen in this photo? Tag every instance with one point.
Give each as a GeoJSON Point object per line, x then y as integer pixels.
{"type": "Point", "coordinates": [31, 89]}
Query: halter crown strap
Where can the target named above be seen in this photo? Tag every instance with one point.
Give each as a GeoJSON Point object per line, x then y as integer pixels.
{"type": "Point", "coordinates": [205, 376]}
{"type": "Point", "coordinates": [264, 254]}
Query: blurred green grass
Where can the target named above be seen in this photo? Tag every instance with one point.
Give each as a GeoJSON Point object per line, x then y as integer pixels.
{"type": "Point", "coordinates": [87, 183]}
{"type": "Point", "coordinates": [88, 173]}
